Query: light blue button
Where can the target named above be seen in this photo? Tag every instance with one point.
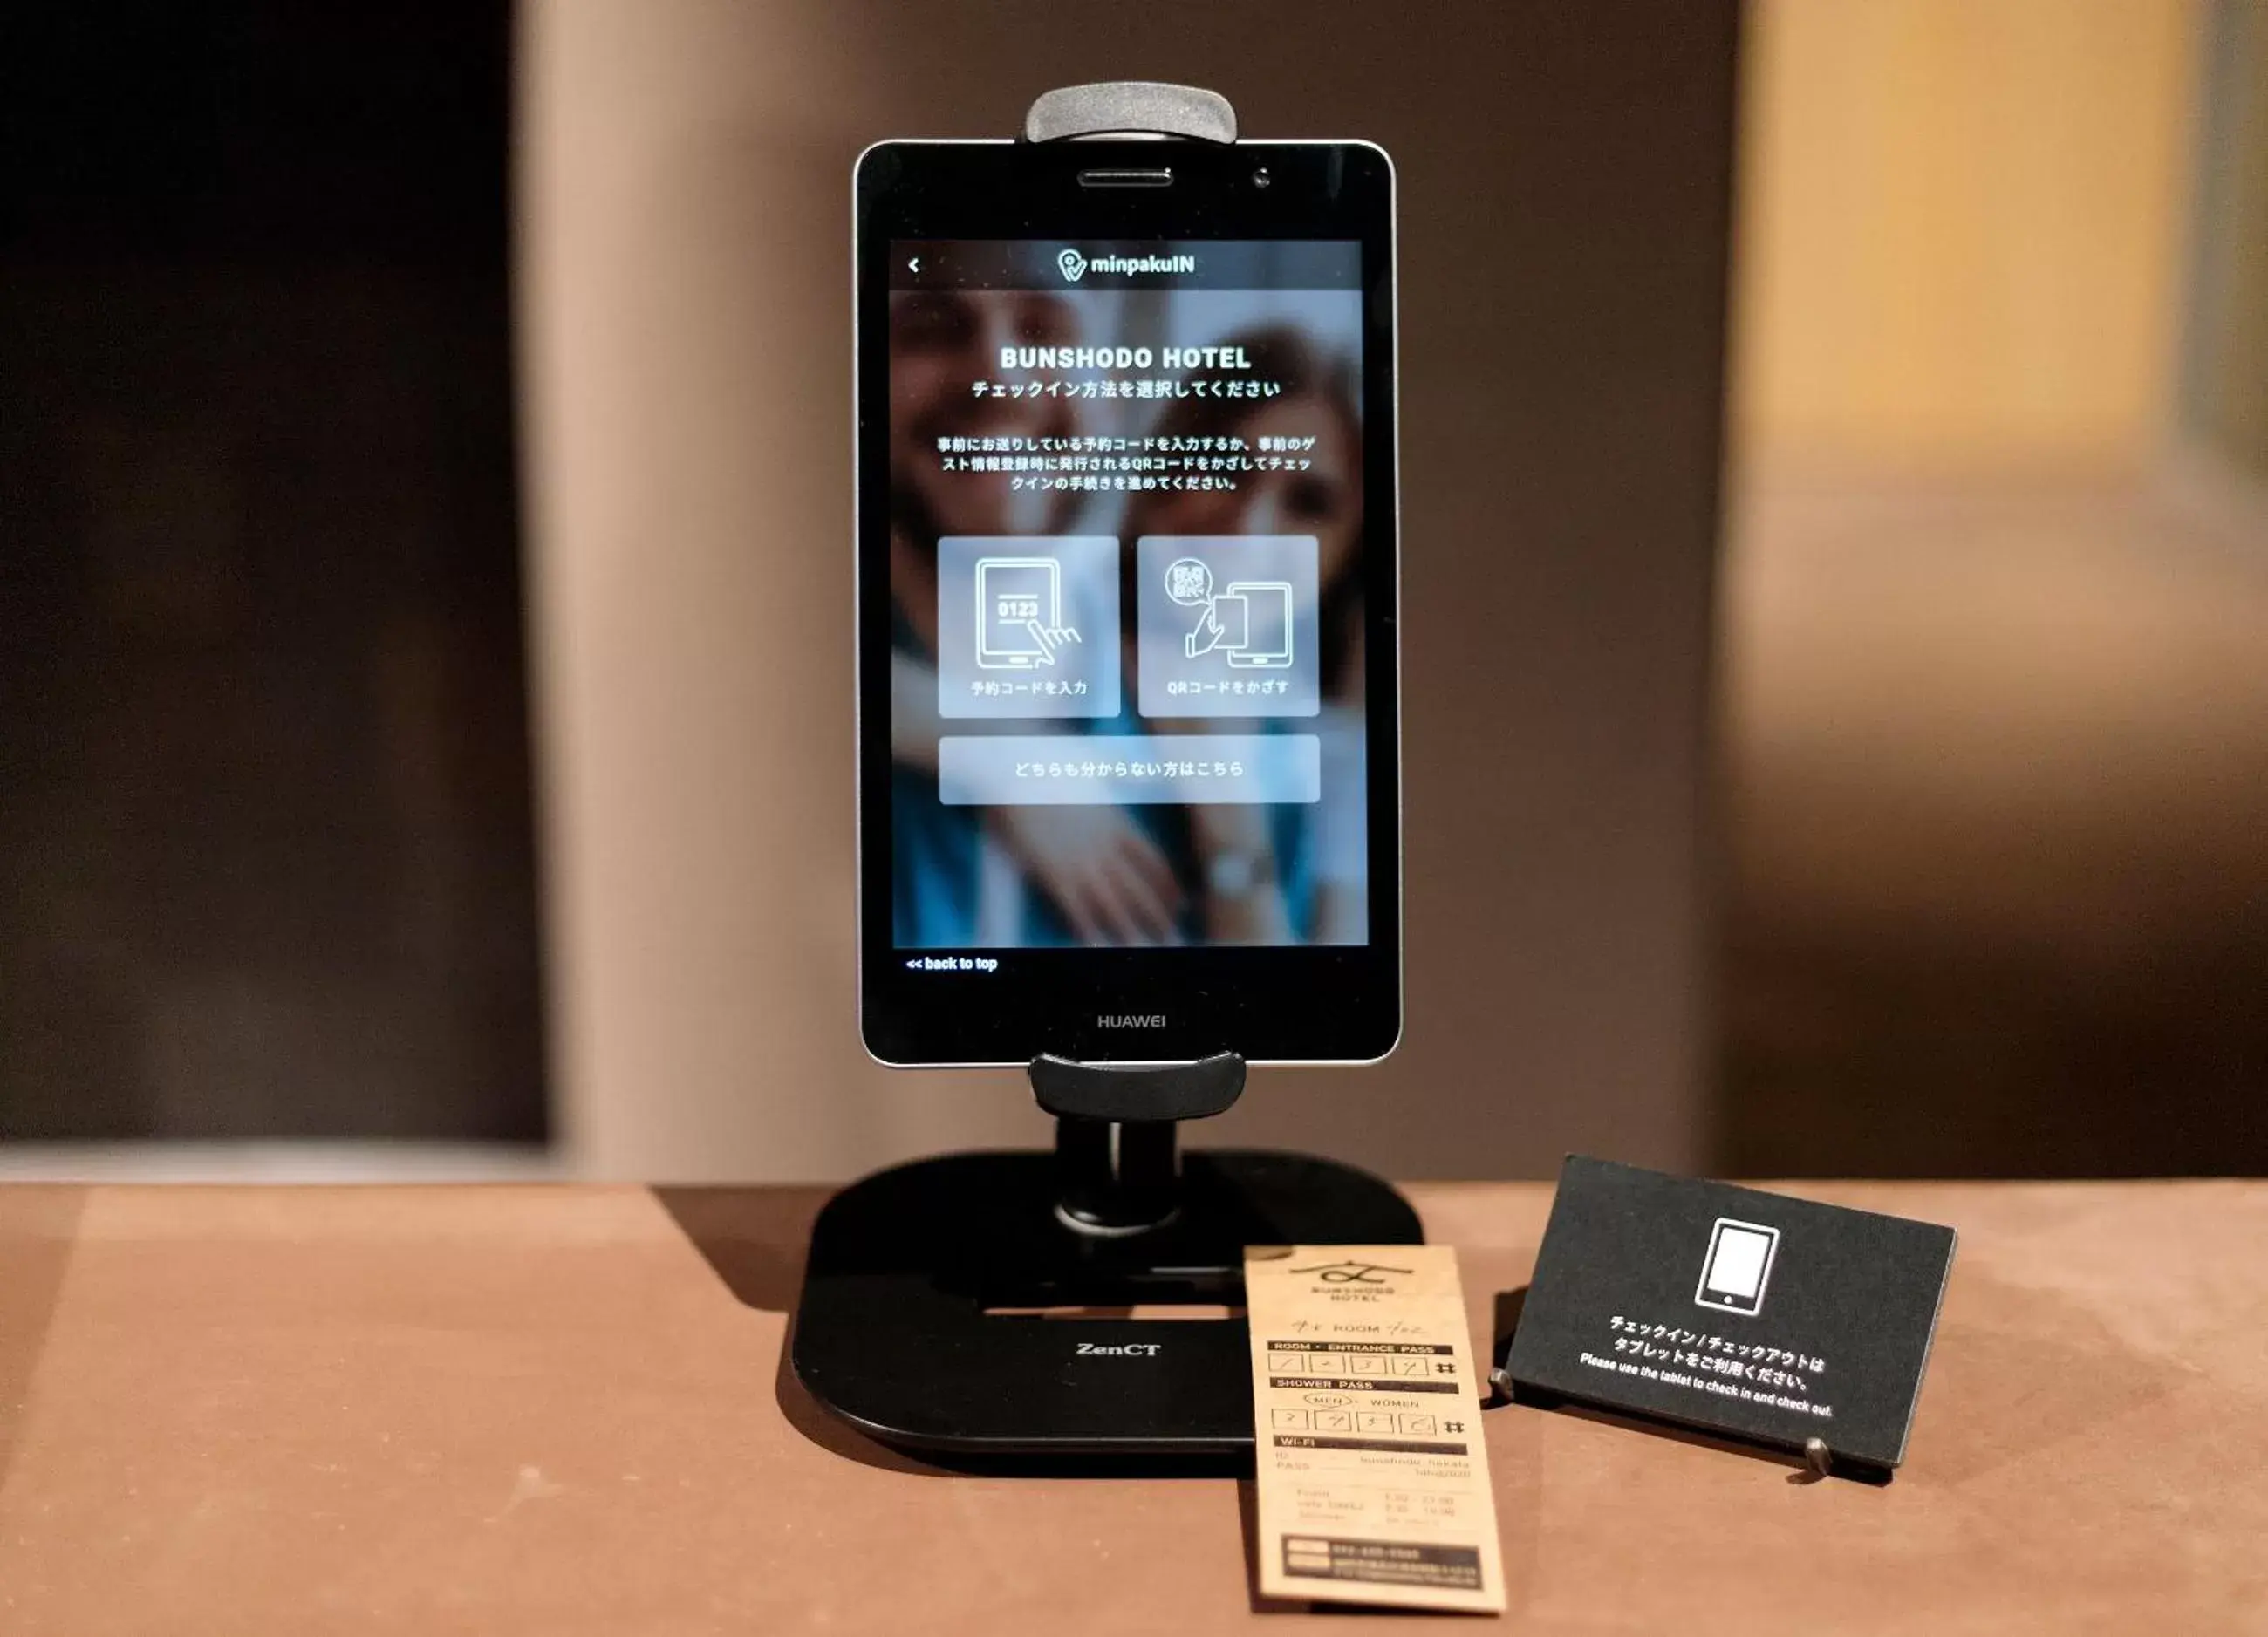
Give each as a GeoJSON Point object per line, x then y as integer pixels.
{"type": "Point", "coordinates": [1227, 624]}
{"type": "Point", "coordinates": [1028, 626]}
{"type": "Point", "coordinates": [1128, 769]}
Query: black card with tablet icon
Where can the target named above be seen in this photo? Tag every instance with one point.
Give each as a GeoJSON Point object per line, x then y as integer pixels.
{"type": "Point", "coordinates": [1756, 1316]}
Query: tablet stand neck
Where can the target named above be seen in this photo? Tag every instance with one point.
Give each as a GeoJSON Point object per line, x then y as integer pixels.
{"type": "Point", "coordinates": [1118, 1163]}
{"type": "Point", "coordinates": [1116, 1178]}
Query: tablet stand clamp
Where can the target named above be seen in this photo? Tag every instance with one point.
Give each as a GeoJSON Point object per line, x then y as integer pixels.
{"type": "Point", "coordinates": [1009, 1305]}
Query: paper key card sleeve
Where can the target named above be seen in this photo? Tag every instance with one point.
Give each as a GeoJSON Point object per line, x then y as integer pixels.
{"type": "Point", "coordinates": [1765, 1318]}
{"type": "Point", "coordinates": [1370, 1465]}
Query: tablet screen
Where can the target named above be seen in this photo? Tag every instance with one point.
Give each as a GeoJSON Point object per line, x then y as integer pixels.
{"type": "Point", "coordinates": [1126, 545]}
{"type": "Point", "coordinates": [1127, 597]}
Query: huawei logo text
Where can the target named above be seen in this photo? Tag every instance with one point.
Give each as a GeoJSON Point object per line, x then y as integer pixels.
{"type": "Point", "coordinates": [1131, 1020]}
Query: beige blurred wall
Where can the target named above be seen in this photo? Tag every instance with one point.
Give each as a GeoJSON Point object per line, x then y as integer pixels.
{"type": "Point", "coordinates": [684, 174]}
{"type": "Point", "coordinates": [1995, 715]}
{"type": "Point", "coordinates": [1963, 228]}
{"type": "Point", "coordinates": [682, 264]}
{"type": "Point", "coordinates": [2224, 390]}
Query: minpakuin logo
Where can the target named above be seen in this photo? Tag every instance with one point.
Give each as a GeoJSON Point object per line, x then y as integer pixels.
{"type": "Point", "coordinates": [1075, 267]}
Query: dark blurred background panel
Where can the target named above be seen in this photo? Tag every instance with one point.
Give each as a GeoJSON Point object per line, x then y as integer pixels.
{"type": "Point", "coordinates": [266, 856]}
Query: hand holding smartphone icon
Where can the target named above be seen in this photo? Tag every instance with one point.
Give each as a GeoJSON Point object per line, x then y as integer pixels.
{"type": "Point", "coordinates": [1225, 624]}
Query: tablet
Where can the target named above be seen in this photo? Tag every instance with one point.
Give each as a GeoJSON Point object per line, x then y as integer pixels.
{"type": "Point", "coordinates": [1127, 673]}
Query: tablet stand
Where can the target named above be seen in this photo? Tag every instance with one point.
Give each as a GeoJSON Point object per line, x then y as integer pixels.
{"type": "Point", "coordinates": [990, 1305]}
{"type": "Point", "coordinates": [1016, 1304]}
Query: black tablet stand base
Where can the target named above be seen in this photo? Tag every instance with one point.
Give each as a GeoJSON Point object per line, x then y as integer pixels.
{"type": "Point", "coordinates": [1013, 1305]}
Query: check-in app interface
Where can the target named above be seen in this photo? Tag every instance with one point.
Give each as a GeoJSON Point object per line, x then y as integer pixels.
{"type": "Point", "coordinates": [1127, 607]}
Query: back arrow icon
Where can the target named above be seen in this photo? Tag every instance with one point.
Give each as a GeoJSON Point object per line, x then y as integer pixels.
{"type": "Point", "coordinates": [913, 264]}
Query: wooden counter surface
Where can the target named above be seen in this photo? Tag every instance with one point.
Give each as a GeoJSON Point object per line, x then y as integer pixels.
{"type": "Point", "coordinates": [562, 1410]}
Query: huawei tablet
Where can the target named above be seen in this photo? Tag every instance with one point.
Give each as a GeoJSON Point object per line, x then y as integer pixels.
{"type": "Point", "coordinates": [1129, 775]}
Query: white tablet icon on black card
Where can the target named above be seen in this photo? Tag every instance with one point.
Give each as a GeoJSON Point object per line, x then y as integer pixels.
{"type": "Point", "coordinates": [1738, 1266]}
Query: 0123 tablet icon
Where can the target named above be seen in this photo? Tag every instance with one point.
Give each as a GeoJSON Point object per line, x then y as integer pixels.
{"type": "Point", "coordinates": [1738, 1266]}
{"type": "Point", "coordinates": [1020, 622]}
